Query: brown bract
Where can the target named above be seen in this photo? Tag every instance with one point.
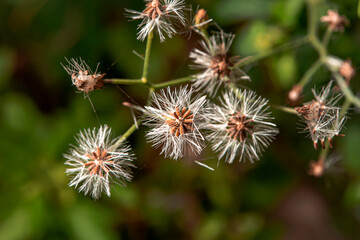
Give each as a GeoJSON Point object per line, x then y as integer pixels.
{"type": "Point", "coordinates": [181, 122]}
{"type": "Point", "coordinates": [239, 126]}
{"type": "Point", "coordinates": [87, 82]}
{"type": "Point", "coordinates": [335, 21]}
{"type": "Point", "coordinates": [99, 162]}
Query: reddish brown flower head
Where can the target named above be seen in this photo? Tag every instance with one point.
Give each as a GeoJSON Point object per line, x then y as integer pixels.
{"type": "Point", "coordinates": [335, 21]}
{"type": "Point", "coordinates": [221, 65]}
{"type": "Point", "coordinates": [239, 126]}
{"type": "Point", "coordinates": [154, 9]}
{"type": "Point", "coordinates": [99, 162]}
{"type": "Point", "coordinates": [347, 70]}
{"type": "Point", "coordinates": [181, 122]}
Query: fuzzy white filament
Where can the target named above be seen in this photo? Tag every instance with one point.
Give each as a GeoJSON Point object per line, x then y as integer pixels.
{"type": "Point", "coordinates": [217, 64]}
{"type": "Point", "coordinates": [175, 120]}
{"type": "Point", "coordinates": [241, 126]}
{"type": "Point", "coordinates": [160, 16]}
{"type": "Point", "coordinates": [96, 162]}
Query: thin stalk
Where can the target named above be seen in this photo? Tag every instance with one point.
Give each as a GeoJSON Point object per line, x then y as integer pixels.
{"type": "Point", "coordinates": [127, 134]}
{"type": "Point", "coordinates": [206, 36]}
{"type": "Point", "coordinates": [290, 45]}
{"type": "Point", "coordinates": [309, 73]}
{"type": "Point", "coordinates": [123, 81]}
{"type": "Point", "coordinates": [346, 91]}
{"type": "Point", "coordinates": [144, 77]}
{"type": "Point", "coordinates": [312, 29]}
{"type": "Point", "coordinates": [327, 36]}
{"type": "Point", "coordinates": [173, 82]}
{"type": "Point", "coordinates": [285, 109]}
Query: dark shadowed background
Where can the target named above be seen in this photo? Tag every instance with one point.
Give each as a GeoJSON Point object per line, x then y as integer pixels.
{"type": "Point", "coordinates": [40, 112]}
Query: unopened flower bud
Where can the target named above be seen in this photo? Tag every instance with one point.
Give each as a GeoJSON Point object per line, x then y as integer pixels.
{"type": "Point", "coordinates": [201, 17]}
{"type": "Point", "coordinates": [295, 95]}
{"type": "Point", "coordinates": [335, 21]}
{"type": "Point", "coordinates": [317, 168]}
{"type": "Point", "coordinates": [347, 70]}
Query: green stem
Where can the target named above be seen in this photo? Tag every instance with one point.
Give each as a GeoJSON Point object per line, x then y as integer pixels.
{"type": "Point", "coordinates": [346, 91]}
{"type": "Point", "coordinates": [206, 36]}
{"type": "Point", "coordinates": [173, 82]}
{"type": "Point", "coordinates": [144, 77]}
{"type": "Point", "coordinates": [309, 73]}
{"type": "Point", "coordinates": [291, 45]}
{"type": "Point", "coordinates": [127, 134]}
{"type": "Point", "coordinates": [123, 81]}
{"type": "Point", "coordinates": [327, 36]}
{"type": "Point", "coordinates": [285, 109]}
{"type": "Point", "coordinates": [312, 29]}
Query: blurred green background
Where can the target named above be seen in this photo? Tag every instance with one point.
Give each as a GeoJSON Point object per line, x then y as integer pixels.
{"type": "Point", "coordinates": [40, 112]}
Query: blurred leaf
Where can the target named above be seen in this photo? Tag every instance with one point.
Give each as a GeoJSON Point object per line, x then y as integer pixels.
{"type": "Point", "coordinates": [16, 226]}
{"type": "Point", "coordinates": [6, 65]}
{"type": "Point", "coordinates": [257, 38]}
{"type": "Point", "coordinates": [288, 11]}
{"type": "Point", "coordinates": [286, 69]}
{"type": "Point", "coordinates": [233, 10]}
{"type": "Point", "coordinates": [89, 221]}
{"type": "Point", "coordinates": [246, 225]}
{"type": "Point", "coordinates": [352, 150]}
{"type": "Point", "coordinates": [212, 228]}
{"type": "Point", "coordinates": [352, 195]}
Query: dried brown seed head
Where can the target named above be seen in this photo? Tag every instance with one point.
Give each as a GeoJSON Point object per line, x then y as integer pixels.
{"type": "Point", "coordinates": [88, 82]}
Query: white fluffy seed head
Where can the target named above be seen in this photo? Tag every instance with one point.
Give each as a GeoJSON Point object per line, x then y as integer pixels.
{"type": "Point", "coordinates": [97, 162]}
{"type": "Point", "coordinates": [176, 119]}
{"type": "Point", "coordinates": [217, 66]}
{"type": "Point", "coordinates": [160, 16]}
{"type": "Point", "coordinates": [241, 126]}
